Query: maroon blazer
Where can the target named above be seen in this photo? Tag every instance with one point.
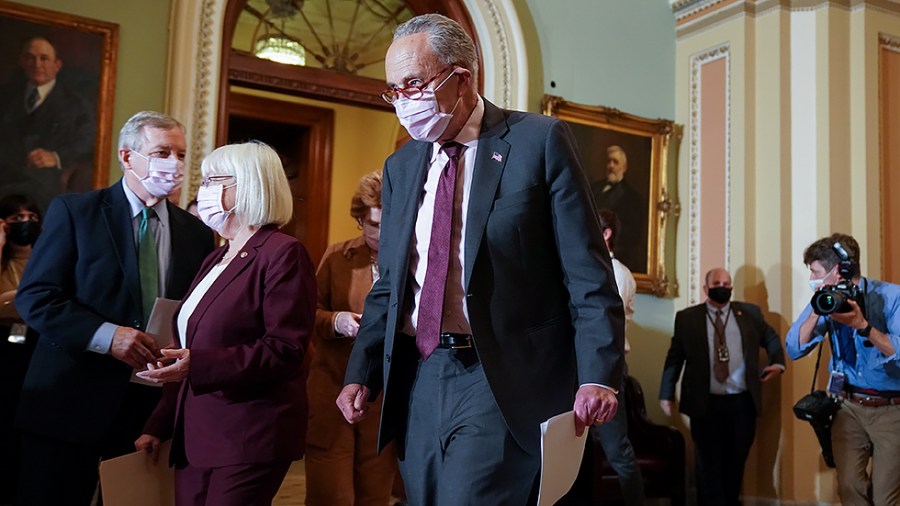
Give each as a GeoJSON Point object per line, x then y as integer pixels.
{"type": "Point", "coordinates": [244, 400]}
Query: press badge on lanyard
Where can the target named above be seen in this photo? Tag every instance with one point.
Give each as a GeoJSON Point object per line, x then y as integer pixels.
{"type": "Point", "coordinates": [836, 382]}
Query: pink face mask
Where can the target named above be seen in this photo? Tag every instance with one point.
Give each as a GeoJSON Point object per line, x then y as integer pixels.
{"type": "Point", "coordinates": [209, 205]}
{"type": "Point", "coordinates": [164, 176]}
{"type": "Point", "coordinates": [422, 117]}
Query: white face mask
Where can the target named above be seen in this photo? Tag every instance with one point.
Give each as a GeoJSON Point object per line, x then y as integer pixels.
{"type": "Point", "coordinates": [164, 175]}
{"type": "Point", "coordinates": [209, 205]}
{"type": "Point", "coordinates": [422, 117]}
{"type": "Point", "coordinates": [815, 284]}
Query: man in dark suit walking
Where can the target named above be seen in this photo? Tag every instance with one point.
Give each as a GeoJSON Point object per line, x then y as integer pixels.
{"type": "Point", "coordinates": [717, 343]}
{"type": "Point", "coordinates": [100, 263]}
{"type": "Point", "coordinates": [496, 307]}
{"type": "Point", "coordinates": [47, 131]}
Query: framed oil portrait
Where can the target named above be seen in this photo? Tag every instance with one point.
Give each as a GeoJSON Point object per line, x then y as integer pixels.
{"type": "Point", "coordinates": [629, 161]}
{"type": "Point", "coordinates": [57, 82]}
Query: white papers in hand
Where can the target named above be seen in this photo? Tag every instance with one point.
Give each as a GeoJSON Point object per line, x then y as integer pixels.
{"type": "Point", "coordinates": [561, 453]}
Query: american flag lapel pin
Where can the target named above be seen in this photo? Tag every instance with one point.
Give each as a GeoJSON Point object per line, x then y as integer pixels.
{"type": "Point", "coordinates": [497, 157]}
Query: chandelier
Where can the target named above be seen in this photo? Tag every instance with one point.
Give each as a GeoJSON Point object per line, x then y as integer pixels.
{"type": "Point", "coordinates": [346, 36]}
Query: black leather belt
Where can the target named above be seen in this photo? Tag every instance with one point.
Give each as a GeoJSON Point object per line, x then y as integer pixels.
{"type": "Point", "coordinates": [455, 341]}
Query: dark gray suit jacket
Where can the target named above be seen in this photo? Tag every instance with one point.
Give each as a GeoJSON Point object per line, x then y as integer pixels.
{"type": "Point", "coordinates": [690, 350]}
{"type": "Point", "coordinates": [540, 290]}
{"type": "Point", "coordinates": [83, 272]}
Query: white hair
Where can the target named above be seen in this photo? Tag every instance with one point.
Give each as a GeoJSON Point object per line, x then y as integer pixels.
{"type": "Point", "coordinates": [449, 42]}
{"type": "Point", "coordinates": [132, 137]}
{"type": "Point", "coordinates": [263, 194]}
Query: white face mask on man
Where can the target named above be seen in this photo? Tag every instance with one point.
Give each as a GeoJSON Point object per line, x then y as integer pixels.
{"type": "Point", "coordinates": [163, 175]}
{"type": "Point", "coordinates": [815, 284]}
{"type": "Point", "coordinates": [422, 117]}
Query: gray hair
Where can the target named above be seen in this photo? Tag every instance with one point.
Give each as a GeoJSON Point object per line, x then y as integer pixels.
{"type": "Point", "coordinates": [131, 135]}
{"type": "Point", "coordinates": [616, 149]}
{"type": "Point", "coordinates": [449, 42]}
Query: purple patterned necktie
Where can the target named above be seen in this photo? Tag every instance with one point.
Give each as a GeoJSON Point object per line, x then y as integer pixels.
{"type": "Point", "coordinates": [431, 302]}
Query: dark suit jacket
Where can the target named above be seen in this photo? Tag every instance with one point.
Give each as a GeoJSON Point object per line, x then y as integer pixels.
{"type": "Point", "coordinates": [64, 123]}
{"type": "Point", "coordinates": [631, 208]}
{"type": "Point", "coordinates": [83, 272]}
{"type": "Point", "coordinates": [690, 350]}
{"type": "Point", "coordinates": [244, 400]}
{"type": "Point", "coordinates": [540, 290]}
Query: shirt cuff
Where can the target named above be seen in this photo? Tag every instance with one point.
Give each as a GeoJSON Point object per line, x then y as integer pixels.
{"type": "Point", "coordinates": [780, 366]}
{"type": "Point", "coordinates": [58, 162]}
{"type": "Point", "coordinates": [102, 339]}
{"type": "Point", "coordinates": [611, 389]}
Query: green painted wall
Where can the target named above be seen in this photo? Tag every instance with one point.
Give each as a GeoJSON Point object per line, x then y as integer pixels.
{"type": "Point", "coordinates": [615, 53]}
{"type": "Point", "coordinates": [143, 48]}
{"type": "Point", "coordinates": [618, 53]}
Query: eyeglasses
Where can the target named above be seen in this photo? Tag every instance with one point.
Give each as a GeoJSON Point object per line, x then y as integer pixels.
{"type": "Point", "coordinates": [412, 92]}
{"type": "Point", "coordinates": [205, 182]}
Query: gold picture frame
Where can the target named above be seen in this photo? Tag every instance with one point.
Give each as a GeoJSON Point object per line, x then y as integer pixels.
{"type": "Point", "coordinates": [642, 199]}
{"type": "Point", "coordinates": [73, 120]}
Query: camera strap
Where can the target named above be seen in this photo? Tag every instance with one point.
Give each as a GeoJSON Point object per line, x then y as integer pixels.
{"type": "Point", "coordinates": [812, 387]}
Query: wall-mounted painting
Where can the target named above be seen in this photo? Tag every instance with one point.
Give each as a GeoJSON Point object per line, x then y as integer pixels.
{"type": "Point", "coordinates": [628, 161]}
{"type": "Point", "coordinates": [57, 82]}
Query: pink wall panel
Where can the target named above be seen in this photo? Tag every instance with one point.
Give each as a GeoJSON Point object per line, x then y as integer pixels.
{"type": "Point", "coordinates": [890, 145]}
{"type": "Point", "coordinates": [713, 159]}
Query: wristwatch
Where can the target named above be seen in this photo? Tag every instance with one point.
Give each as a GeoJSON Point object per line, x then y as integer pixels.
{"type": "Point", "coordinates": [865, 332]}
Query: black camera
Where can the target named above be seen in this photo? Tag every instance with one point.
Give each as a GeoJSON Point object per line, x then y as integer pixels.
{"type": "Point", "coordinates": [835, 298]}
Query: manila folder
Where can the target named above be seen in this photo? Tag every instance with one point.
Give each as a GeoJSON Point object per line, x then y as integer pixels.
{"type": "Point", "coordinates": [134, 480]}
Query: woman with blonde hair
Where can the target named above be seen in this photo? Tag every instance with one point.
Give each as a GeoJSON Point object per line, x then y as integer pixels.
{"type": "Point", "coordinates": [235, 404]}
{"type": "Point", "coordinates": [342, 466]}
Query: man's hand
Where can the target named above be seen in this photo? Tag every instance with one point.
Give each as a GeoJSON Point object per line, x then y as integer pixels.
{"type": "Point", "coordinates": [853, 318]}
{"type": "Point", "coordinates": [148, 444]}
{"type": "Point", "coordinates": [771, 372]}
{"type": "Point", "coordinates": [593, 406]}
{"type": "Point", "coordinates": [352, 401]}
{"type": "Point", "coordinates": [133, 347]}
{"type": "Point", "coordinates": [347, 323]}
{"type": "Point", "coordinates": [42, 159]}
{"type": "Point", "coordinates": [174, 366]}
{"type": "Point", "coordinates": [668, 407]}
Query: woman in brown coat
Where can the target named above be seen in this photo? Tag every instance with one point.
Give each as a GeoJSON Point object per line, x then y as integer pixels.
{"type": "Point", "coordinates": [342, 467]}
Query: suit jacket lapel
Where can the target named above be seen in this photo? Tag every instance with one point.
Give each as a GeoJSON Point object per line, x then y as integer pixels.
{"type": "Point", "coordinates": [746, 330]}
{"type": "Point", "coordinates": [703, 335]}
{"type": "Point", "coordinates": [490, 160]}
{"type": "Point", "coordinates": [178, 241]}
{"type": "Point", "coordinates": [117, 213]}
{"type": "Point", "coordinates": [237, 265]}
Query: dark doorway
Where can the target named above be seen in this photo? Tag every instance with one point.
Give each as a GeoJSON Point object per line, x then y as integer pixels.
{"type": "Point", "coordinates": [302, 135]}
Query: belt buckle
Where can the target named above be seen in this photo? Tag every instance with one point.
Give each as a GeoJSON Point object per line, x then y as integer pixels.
{"type": "Point", "coordinates": [464, 346]}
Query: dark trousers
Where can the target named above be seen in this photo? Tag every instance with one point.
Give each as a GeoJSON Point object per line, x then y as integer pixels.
{"type": "Point", "coordinates": [613, 437]}
{"type": "Point", "coordinates": [722, 439]}
{"type": "Point", "coordinates": [53, 472]}
{"type": "Point", "coordinates": [241, 485]}
{"type": "Point", "coordinates": [458, 449]}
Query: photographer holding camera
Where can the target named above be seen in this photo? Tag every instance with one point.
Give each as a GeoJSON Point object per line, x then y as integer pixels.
{"type": "Point", "coordinates": [862, 318]}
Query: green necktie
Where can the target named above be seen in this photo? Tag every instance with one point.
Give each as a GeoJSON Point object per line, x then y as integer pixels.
{"type": "Point", "coordinates": [147, 262]}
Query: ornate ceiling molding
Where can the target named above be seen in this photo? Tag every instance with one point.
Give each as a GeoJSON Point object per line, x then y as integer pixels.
{"type": "Point", "coordinates": [694, 164]}
{"type": "Point", "coordinates": [889, 42]}
{"type": "Point", "coordinates": [695, 15]}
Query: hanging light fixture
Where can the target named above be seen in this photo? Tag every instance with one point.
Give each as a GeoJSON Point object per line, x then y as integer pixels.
{"type": "Point", "coordinates": [275, 45]}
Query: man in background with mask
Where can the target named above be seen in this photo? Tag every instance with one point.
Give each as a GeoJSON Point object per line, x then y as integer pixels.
{"type": "Point", "coordinates": [88, 289]}
{"type": "Point", "coordinates": [865, 372]}
{"type": "Point", "coordinates": [717, 343]}
{"type": "Point", "coordinates": [496, 307]}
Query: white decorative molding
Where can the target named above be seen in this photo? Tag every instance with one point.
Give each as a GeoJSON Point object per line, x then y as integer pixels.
{"type": "Point", "coordinates": [503, 49]}
{"type": "Point", "coordinates": [889, 42]}
{"type": "Point", "coordinates": [694, 164]}
{"type": "Point", "coordinates": [195, 56]}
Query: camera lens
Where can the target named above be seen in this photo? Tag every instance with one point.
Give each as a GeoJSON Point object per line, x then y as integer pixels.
{"type": "Point", "coordinates": [825, 302]}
